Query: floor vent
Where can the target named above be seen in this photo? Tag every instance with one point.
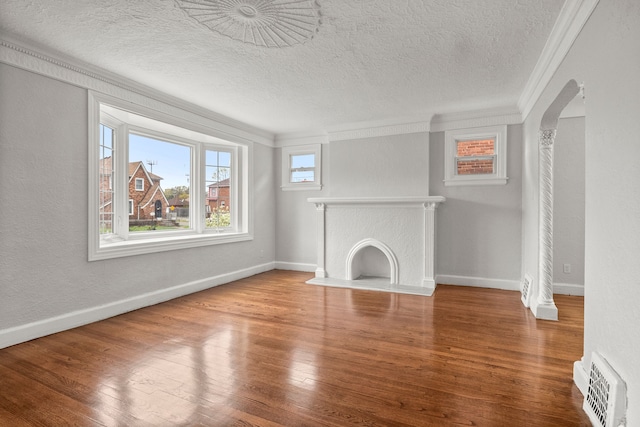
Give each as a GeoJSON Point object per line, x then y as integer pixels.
{"type": "Point", "coordinates": [526, 289]}
{"type": "Point", "coordinates": [605, 401]}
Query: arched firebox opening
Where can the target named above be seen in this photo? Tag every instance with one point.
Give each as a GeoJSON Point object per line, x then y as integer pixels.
{"type": "Point", "coordinates": [372, 259]}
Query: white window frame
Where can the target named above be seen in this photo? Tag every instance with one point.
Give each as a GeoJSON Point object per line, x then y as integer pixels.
{"type": "Point", "coordinates": [452, 137]}
{"type": "Point", "coordinates": [141, 181]}
{"type": "Point", "coordinates": [297, 150]}
{"type": "Point", "coordinates": [126, 117]}
{"type": "Point", "coordinates": [130, 207]}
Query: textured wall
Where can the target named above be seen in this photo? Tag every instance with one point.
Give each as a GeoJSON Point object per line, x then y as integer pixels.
{"type": "Point", "coordinates": [43, 232]}
{"type": "Point", "coordinates": [387, 166]}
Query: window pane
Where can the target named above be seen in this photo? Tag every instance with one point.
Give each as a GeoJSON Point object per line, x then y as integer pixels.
{"type": "Point", "coordinates": [484, 147]}
{"type": "Point", "coordinates": [479, 157]}
{"type": "Point", "coordinates": [475, 166]}
{"type": "Point", "coordinates": [302, 161]}
{"type": "Point", "coordinates": [218, 189]}
{"type": "Point", "coordinates": [161, 169]}
{"type": "Point", "coordinates": [302, 168]}
{"type": "Point", "coordinates": [105, 191]}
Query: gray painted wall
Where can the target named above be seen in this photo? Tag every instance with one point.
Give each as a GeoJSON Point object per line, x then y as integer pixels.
{"type": "Point", "coordinates": [43, 231]}
{"type": "Point", "coordinates": [385, 166]}
{"type": "Point", "coordinates": [568, 203]}
{"type": "Point", "coordinates": [478, 228]}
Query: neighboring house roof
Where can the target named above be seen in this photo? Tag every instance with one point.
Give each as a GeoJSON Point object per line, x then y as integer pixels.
{"type": "Point", "coordinates": [177, 201]}
{"type": "Point", "coordinates": [223, 183]}
{"type": "Point", "coordinates": [134, 166]}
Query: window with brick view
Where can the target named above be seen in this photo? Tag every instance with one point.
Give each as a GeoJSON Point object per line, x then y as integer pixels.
{"type": "Point", "coordinates": [475, 157]}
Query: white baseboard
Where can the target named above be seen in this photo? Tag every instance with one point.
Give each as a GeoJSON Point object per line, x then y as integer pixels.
{"type": "Point", "coordinates": [568, 289]}
{"type": "Point", "coordinates": [580, 376]}
{"type": "Point", "coordinates": [480, 282]}
{"type": "Point", "coordinates": [295, 266]}
{"type": "Point", "coordinates": [29, 331]}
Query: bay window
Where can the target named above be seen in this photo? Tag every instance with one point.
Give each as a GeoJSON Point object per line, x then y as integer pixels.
{"type": "Point", "coordinates": [157, 182]}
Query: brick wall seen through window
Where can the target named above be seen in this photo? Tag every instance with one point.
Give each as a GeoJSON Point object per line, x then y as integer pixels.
{"type": "Point", "coordinates": [475, 157]}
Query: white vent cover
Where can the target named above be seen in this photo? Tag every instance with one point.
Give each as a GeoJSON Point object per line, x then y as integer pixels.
{"type": "Point", "coordinates": [526, 290]}
{"type": "Point", "coordinates": [605, 401]}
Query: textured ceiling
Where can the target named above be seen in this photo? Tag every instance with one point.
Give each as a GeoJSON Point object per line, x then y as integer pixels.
{"type": "Point", "coordinates": [371, 61]}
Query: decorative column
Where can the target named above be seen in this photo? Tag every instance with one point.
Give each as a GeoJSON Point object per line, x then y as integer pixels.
{"type": "Point", "coordinates": [429, 280]}
{"type": "Point", "coordinates": [320, 269]}
{"type": "Point", "coordinates": [545, 308]}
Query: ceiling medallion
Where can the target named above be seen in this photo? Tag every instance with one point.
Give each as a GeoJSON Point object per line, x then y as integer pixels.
{"type": "Point", "coordinates": [269, 23]}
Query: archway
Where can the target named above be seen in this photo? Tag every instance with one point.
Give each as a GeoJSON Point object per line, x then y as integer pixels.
{"type": "Point", "coordinates": [543, 305]}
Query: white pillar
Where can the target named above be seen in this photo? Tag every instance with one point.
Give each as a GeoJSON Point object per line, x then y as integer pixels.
{"type": "Point", "coordinates": [320, 268]}
{"type": "Point", "coordinates": [429, 280]}
{"type": "Point", "coordinates": [544, 307]}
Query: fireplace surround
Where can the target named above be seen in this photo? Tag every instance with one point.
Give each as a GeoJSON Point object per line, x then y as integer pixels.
{"type": "Point", "coordinates": [377, 243]}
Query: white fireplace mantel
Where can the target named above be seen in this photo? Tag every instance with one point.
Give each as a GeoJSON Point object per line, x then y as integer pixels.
{"type": "Point", "coordinates": [403, 228]}
{"type": "Point", "coordinates": [377, 201]}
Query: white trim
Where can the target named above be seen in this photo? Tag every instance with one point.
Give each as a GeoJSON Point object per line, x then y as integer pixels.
{"type": "Point", "coordinates": [499, 175]}
{"type": "Point", "coordinates": [295, 266]}
{"type": "Point", "coordinates": [573, 16]}
{"type": "Point", "coordinates": [474, 119]}
{"type": "Point", "coordinates": [42, 61]}
{"type": "Point", "coordinates": [22, 333]}
{"type": "Point", "coordinates": [568, 289]}
{"type": "Point", "coordinates": [580, 376]}
{"type": "Point", "coordinates": [387, 130]}
{"type": "Point", "coordinates": [480, 282]}
{"type": "Point", "coordinates": [293, 139]}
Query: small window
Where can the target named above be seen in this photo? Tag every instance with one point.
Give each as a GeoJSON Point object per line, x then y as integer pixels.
{"type": "Point", "coordinates": [139, 184]}
{"type": "Point", "coordinates": [301, 167]}
{"type": "Point", "coordinates": [476, 156]}
{"type": "Point", "coordinates": [130, 207]}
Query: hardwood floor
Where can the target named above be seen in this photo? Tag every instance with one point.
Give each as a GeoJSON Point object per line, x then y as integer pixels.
{"type": "Point", "coordinates": [272, 351]}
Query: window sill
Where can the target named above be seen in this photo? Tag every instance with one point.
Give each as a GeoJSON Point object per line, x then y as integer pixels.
{"type": "Point", "coordinates": [475, 181]}
{"type": "Point", "coordinates": [124, 248]}
{"type": "Point", "coordinates": [299, 187]}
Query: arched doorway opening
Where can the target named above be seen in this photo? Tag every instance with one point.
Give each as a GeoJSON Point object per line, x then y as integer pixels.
{"type": "Point", "coordinates": [542, 303]}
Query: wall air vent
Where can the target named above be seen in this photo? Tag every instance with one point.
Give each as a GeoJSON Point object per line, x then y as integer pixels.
{"type": "Point", "coordinates": [526, 290]}
{"type": "Point", "coordinates": [605, 401]}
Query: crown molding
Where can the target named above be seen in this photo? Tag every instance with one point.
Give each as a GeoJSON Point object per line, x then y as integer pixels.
{"type": "Point", "coordinates": [376, 131]}
{"type": "Point", "coordinates": [293, 139]}
{"type": "Point", "coordinates": [573, 16]}
{"type": "Point", "coordinates": [475, 119]}
{"type": "Point", "coordinates": [69, 70]}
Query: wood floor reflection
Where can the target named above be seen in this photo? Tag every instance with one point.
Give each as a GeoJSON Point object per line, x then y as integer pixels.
{"type": "Point", "coordinates": [272, 351]}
